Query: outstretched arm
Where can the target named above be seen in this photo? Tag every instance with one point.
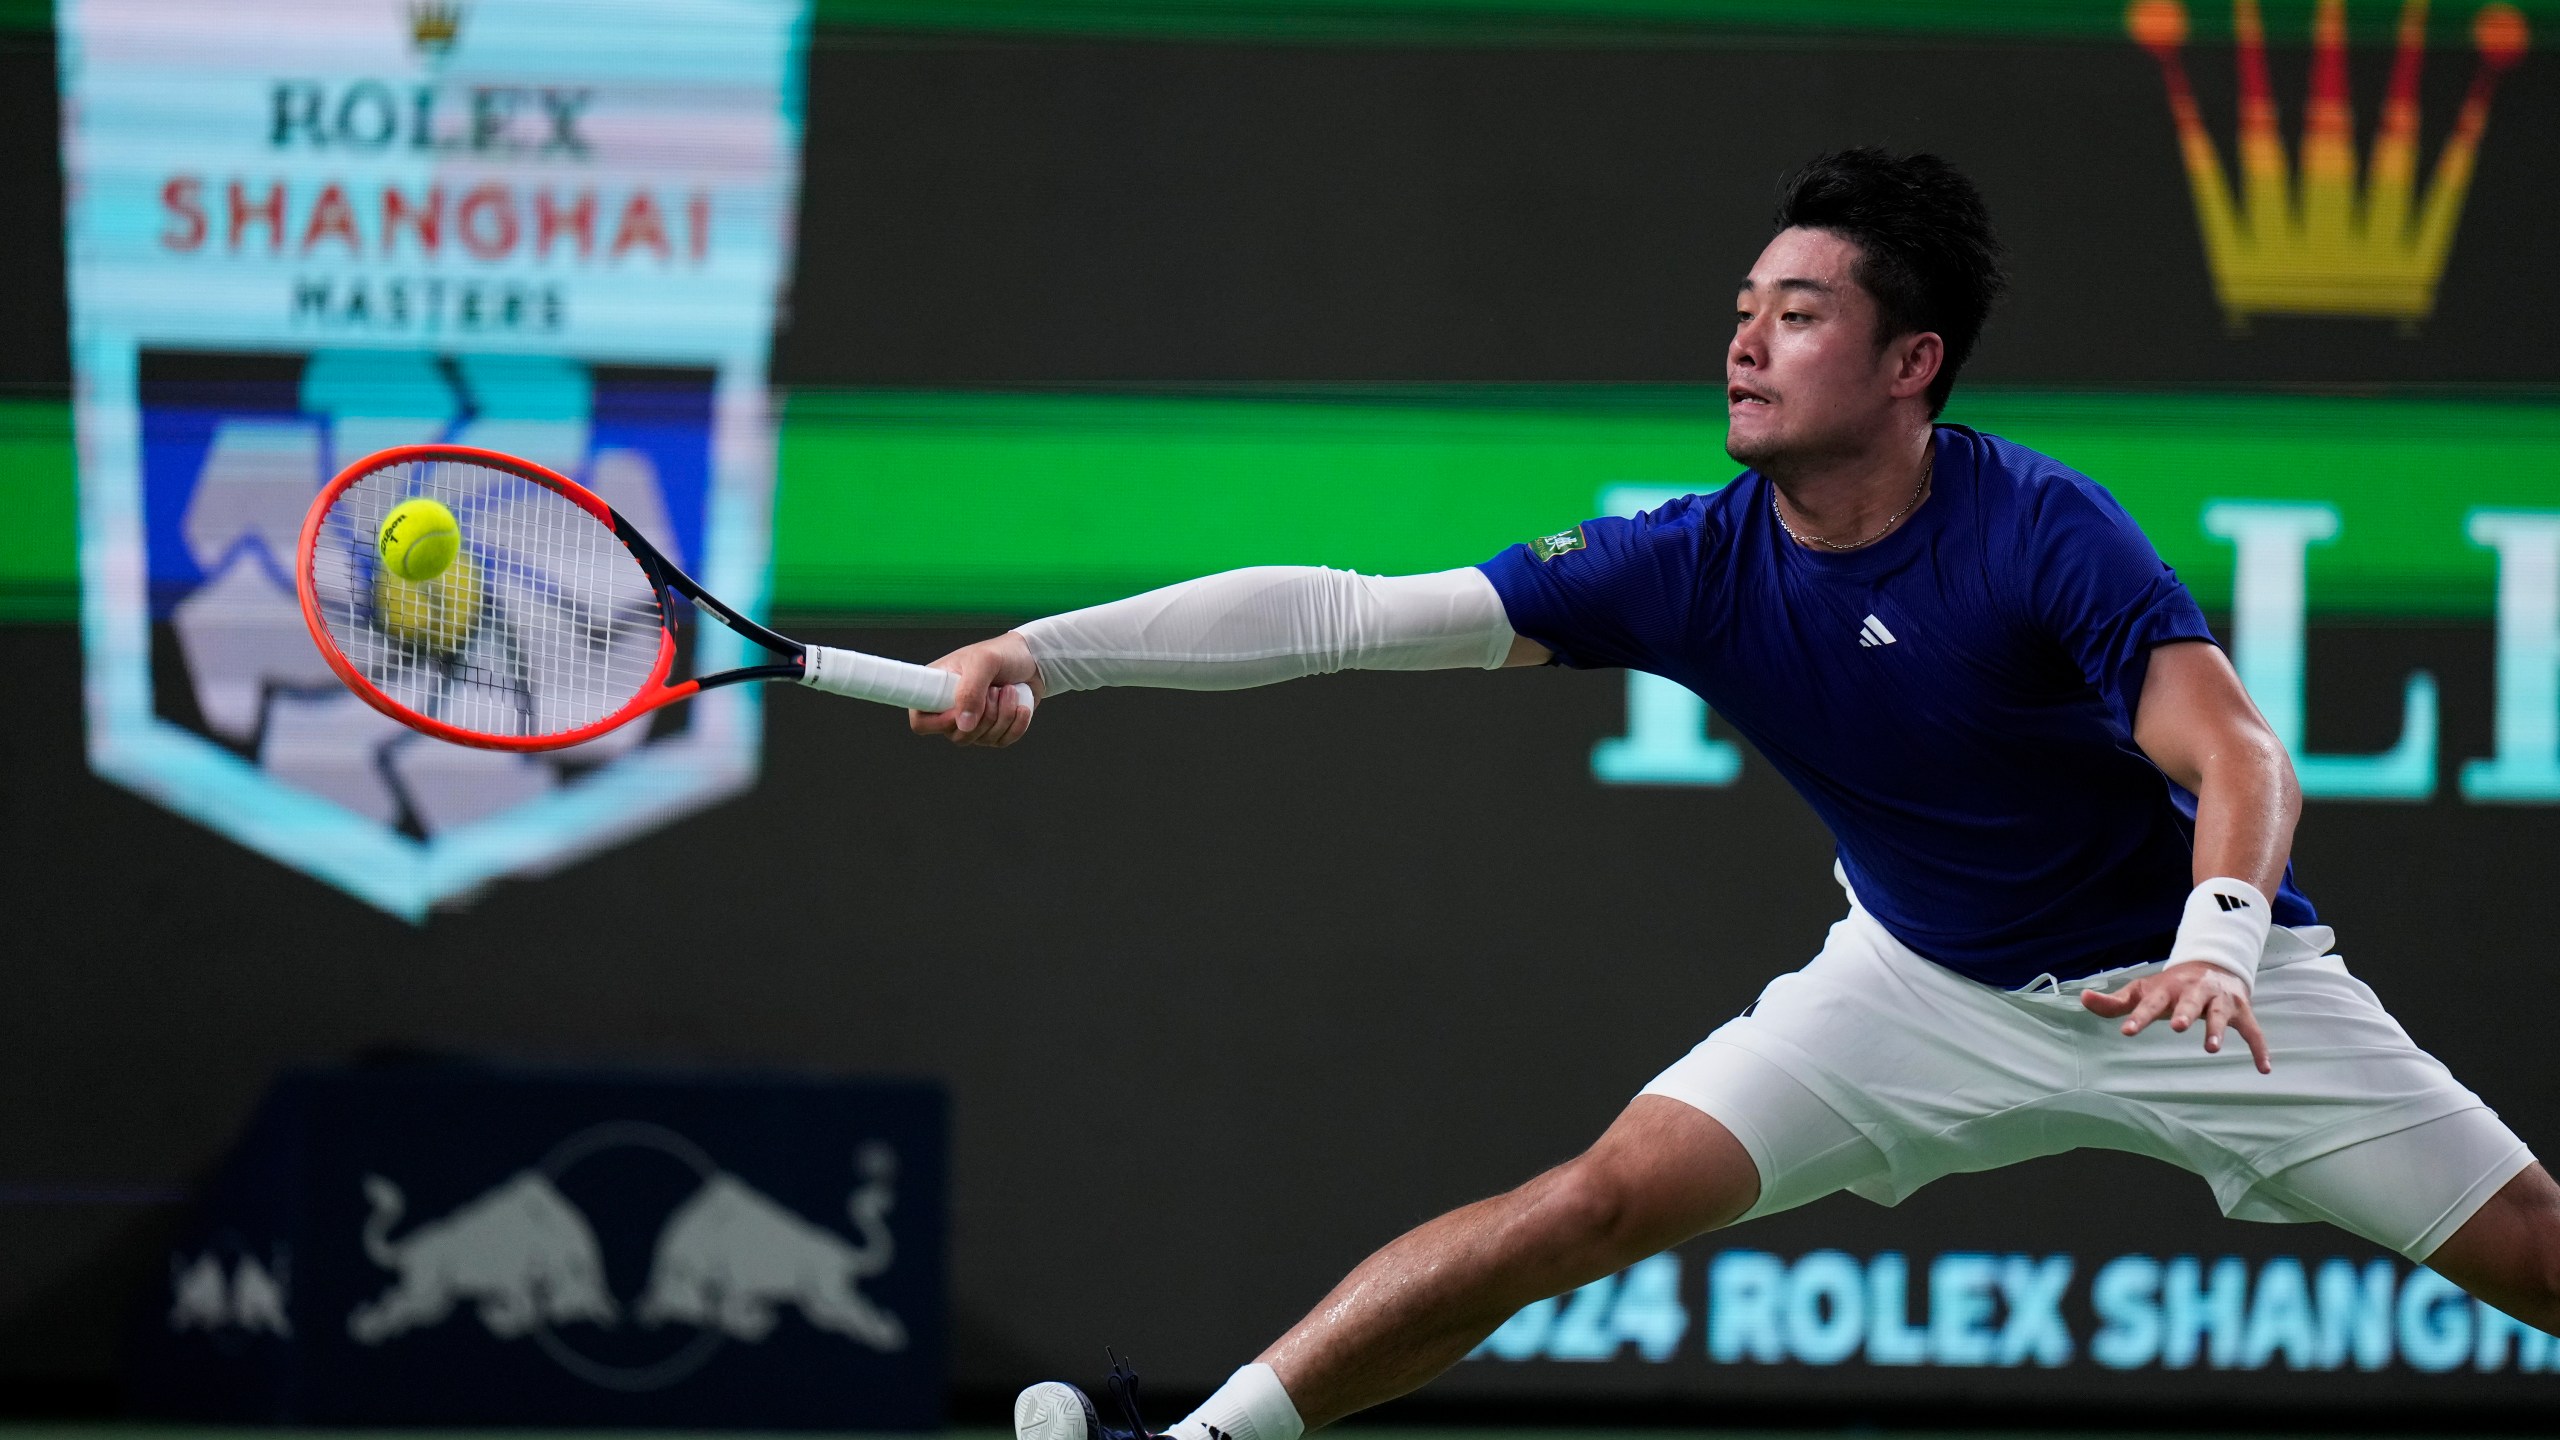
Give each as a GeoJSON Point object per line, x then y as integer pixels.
{"type": "Point", "coordinates": [1229, 631]}
{"type": "Point", "coordinates": [2198, 725]}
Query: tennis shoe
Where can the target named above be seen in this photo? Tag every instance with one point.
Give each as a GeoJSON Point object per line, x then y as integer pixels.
{"type": "Point", "coordinates": [1056, 1410]}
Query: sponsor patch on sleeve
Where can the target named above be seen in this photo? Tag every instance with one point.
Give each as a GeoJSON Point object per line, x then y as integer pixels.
{"type": "Point", "coordinates": [1548, 547]}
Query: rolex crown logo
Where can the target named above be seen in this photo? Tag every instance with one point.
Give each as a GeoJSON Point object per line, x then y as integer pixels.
{"type": "Point", "coordinates": [434, 26]}
{"type": "Point", "coordinates": [2301, 238]}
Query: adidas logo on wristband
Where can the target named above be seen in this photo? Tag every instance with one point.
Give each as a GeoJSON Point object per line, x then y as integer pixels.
{"type": "Point", "coordinates": [2229, 903]}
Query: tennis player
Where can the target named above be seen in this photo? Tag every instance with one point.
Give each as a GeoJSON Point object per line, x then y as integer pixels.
{"type": "Point", "coordinates": [2063, 833]}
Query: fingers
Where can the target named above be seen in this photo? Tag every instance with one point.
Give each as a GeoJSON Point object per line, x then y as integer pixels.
{"type": "Point", "coordinates": [994, 684]}
{"type": "Point", "coordinates": [1004, 715]}
{"type": "Point", "coordinates": [1002, 720]}
{"type": "Point", "coordinates": [975, 669]}
{"type": "Point", "coordinates": [2245, 1021]}
{"type": "Point", "coordinates": [1000, 714]}
{"type": "Point", "coordinates": [2141, 1001]}
{"type": "Point", "coordinates": [2156, 999]}
{"type": "Point", "coordinates": [2192, 1000]}
{"type": "Point", "coordinates": [2111, 1003]}
{"type": "Point", "coordinates": [2185, 1000]}
{"type": "Point", "coordinates": [970, 706]}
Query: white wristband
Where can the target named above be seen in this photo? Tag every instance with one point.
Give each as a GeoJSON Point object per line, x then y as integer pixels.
{"type": "Point", "coordinates": [2225, 925]}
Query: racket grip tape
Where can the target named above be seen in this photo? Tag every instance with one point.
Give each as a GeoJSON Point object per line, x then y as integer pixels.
{"type": "Point", "coordinates": [883, 682]}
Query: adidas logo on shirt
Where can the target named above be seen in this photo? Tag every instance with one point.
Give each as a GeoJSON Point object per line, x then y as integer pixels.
{"type": "Point", "coordinates": [1873, 633]}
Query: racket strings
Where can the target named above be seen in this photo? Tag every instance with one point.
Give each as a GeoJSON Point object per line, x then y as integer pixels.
{"type": "Point", "coordinates": [542, 624]}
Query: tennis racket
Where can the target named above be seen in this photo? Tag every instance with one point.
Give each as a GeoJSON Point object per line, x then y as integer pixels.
{"type": "Point", "coordinates": [554, 622]}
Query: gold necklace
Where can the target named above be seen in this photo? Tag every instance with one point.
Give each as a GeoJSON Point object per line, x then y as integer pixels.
{"type": "Point", "coordinates": [1889, 521]}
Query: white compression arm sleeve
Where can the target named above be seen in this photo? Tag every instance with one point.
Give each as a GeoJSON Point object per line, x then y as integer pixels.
{"type": "Point", "coordinates": [1274, 623]}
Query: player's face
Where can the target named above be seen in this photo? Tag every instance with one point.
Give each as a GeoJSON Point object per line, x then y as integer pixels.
{"type": "Point", "coordinates": [1805, 379]}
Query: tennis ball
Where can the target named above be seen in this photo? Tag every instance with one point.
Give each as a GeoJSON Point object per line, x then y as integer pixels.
{"type": "Point", "coordinates": [436, 615]}
{"type": "Point", "coordinates": [418, 539]}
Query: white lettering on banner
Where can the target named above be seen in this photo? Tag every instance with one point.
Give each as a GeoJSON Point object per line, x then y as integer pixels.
{"type": "Point", "coordinates": [1826, 1309]}
{"type": "Point", "coordinates": [1974, 1310]}
{"type": "Point", "coordinates": [2355, 1314]}
{"type": "Point", "coordinates": [1666, 741]}
{"type": "Point", "coordinates": [1641, 1306]}
{"type": "Point", "coordinates": [1960, 1309]}
{"type": "Point", "coordinates": [2124, 1296]}
{"type": "Point", "coordinates": [2435, 1323]}
{"type": "Point", "coordinates": [2268, 603]}
{"type": "Point", "coordinates": [250, 1297]}
{"type": "Point", "coordinates": [1743, 1287]}
{"type": "Point", "coordinates": [1891, 1337]}
{"type": "Point", "coordinates": [2280, 1319]}
{"type": "Point", "coordinates": [2527, 765]}
{"type": "Point", "coordinates": [2201, 1311]}
{"type": "Point", "coordinates": [2033, 1289]}
{"type": "Point", "coordinates": [304, 230]}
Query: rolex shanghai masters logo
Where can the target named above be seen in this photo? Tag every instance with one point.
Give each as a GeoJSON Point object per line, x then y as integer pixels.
{"type": "Point", "coordinates": [305, 230]}
{"type": "Point", "coordinates": [2320, 233]}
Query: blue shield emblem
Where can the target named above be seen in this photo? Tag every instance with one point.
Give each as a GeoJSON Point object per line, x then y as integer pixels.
{"type": "Point", "coordinates": [226, 710]}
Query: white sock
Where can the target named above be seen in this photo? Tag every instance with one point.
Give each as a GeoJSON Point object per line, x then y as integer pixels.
{"type": "Point", "coordinates": [1250, 1406]}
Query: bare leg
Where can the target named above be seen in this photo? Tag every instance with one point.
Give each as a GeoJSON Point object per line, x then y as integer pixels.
{"type": "Point", "coordinates": [2509, 1253]}
{"type": "Point", "coordinates": [1663, 1173]}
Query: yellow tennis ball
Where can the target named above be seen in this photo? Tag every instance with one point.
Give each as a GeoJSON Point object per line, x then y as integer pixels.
{"type": "Point", "coordinates": [418, 539]}
{"type": "Point", "coordinates": [436, 615]}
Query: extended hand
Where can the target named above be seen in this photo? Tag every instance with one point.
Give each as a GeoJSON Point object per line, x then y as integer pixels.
{"type": "Point", "coordinates": [987, 711]}
{"type": "Point", "coordinates": [2183, 993]}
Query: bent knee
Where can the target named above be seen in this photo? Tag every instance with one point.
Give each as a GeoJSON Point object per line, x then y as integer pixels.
{"type": "Point", "coordinates": [2509, 1252]}
{"type": "Point", "coordinates": [2534, 1272]}
{"type": "Point", "coordinates": [1587, 1207]}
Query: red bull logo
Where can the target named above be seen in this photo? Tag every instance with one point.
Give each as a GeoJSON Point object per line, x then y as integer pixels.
{"type": "Point", "coordinates": [729, 1263]}
{"type": "Point", "coordinates": [731, 1258]}
{"type": "Point", "coordinates": [521, 1255]}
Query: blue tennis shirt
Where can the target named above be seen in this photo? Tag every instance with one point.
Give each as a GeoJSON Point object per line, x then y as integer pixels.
{"type": "Point", "coordinates": [1956, 701]}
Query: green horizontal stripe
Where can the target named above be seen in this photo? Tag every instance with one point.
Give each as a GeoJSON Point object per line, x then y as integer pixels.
{"type": "Point", "coordinates": [916, 503]}
{"type": "Point", "coordinates": [39, 525]}
{"type": "Point", "coordinates": [902, 503]}
{"type": "Point", "coordinates": [1536, 21]}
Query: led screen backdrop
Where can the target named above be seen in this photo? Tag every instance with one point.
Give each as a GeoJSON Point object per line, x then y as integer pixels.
{"type": "Point", "coordinates": [299, 233]}
{"type": "Point", "coordinates": [1086, 297]}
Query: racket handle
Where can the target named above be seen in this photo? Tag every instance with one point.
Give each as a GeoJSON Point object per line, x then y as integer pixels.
{"type": "Point", "coordinates": [884, 682]}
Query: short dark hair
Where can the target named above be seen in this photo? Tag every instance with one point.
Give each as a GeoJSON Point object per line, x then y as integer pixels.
{"type": "Point", "coordinates": [1925, 247]}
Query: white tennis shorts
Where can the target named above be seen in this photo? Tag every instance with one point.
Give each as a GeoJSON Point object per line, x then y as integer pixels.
{"type": "Point", "coordinates": [1875, 1071]}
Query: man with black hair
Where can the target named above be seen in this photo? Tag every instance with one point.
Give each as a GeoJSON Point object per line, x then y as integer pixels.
{"type": "Point", "coordinates": [2059, 820]}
